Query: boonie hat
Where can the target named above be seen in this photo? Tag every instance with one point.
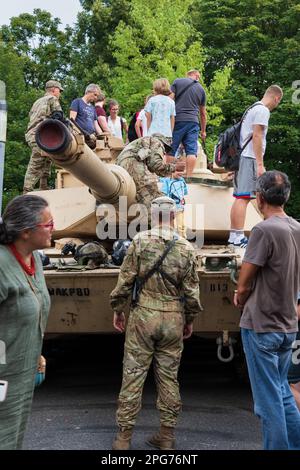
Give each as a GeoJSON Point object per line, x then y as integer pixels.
{"type": "Point", "coordinates": [54, 83]}
{"type": "Point", "coordinates": [167, 141]}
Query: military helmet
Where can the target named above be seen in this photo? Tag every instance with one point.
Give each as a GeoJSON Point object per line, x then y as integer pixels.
{"type": "Point", "coordinates": [91, 254]}
{"type": "Point", "coordinates": [166, 141]}
{"type": "Point", "coordinates": [163, 204]}
{"type": "Point", "coordinates": [120, 248]}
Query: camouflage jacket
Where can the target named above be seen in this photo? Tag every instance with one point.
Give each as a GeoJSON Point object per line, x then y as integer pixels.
{"type": "Point", "coordinates": [41, 109]}
{"type": "Point", "coordinates": [143, 157]}
{"type": "Point", "coordinates": [158, 293]}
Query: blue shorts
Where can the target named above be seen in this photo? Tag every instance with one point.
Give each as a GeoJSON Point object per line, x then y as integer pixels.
{"type": "Point", "coordinates": [187, 133]}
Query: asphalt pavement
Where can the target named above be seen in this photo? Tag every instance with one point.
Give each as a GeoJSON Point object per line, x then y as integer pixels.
{"type": "Point", "coordinates": [75, 407]}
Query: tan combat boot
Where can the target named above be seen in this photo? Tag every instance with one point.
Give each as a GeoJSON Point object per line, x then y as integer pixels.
{"type": "Point", "coordinates": [164, 439]}
{"type": "Point", "coordinates": [123, 440]}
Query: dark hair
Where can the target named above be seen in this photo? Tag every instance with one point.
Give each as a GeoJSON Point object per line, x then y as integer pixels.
{"type": "Point", "coordinates": [22, 213]}
{"type": "Point", "coordinates": [275, 187]}
{"type": "Point", "coordinates": [112, 103]}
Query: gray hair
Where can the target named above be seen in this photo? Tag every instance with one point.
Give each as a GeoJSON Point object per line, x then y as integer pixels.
{"type": "Point", "coordinates": [91, 88]}
{"type": "Point", "coordinates": [275, 187]}
{"type": "Point", "coordinates": [23, 212]}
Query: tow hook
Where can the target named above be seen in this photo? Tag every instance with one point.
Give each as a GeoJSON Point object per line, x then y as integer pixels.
{"type": "Point", "coordinates": [223, 342]}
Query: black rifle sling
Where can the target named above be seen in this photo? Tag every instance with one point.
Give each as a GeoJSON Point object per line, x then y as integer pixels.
{"type": "Point", "coordinates": [184, 90]}
{"type": "Point", "coordinates": [141, 281]}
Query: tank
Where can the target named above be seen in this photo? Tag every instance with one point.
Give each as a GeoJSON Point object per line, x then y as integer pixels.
{"type": "Point", "coordinates": [89, 188]}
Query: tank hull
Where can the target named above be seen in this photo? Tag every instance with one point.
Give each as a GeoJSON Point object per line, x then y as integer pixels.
{"type": "Point", "coordinates": [80, 301]}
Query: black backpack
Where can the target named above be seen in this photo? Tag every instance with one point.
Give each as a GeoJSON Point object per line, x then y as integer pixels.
{"type": "Point", "coordinates": [132, 135]}
{"type": "Point", "coordinates": [228, 150]}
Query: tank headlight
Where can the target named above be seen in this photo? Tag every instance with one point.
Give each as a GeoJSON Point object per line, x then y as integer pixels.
{"type": "Point", "coordinates": [216, 263]}
{"type": "Point", "coordinates": [212, 262]}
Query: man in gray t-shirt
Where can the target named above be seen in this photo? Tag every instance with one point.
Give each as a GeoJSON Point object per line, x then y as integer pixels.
{"type": "Point", "coordinates": [267, 293]}
{"type": "Point", "coordinates": [190, 103]}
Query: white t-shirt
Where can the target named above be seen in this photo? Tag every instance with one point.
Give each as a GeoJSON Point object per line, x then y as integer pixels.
{"type": "Point", "coordinates": [260, 114]}
{"type": "Point", "coordinates": [142, 117]}
{"type": "Point", "coordinates": [115, 126]}
{"type": "Point", "coordinates": [161, 108]}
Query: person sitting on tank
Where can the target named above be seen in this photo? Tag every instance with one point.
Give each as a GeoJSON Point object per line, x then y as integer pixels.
{"type": "Point", "coordinates": [83, 111]}
{"type": "Point", "coordinates": [143, 159]}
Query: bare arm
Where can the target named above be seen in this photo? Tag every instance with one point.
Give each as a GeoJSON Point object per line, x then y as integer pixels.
{"type": "Point", "coordinates": [247, 275]}
{"type": "Point", "coordinates": [203, 120]}
{"type": "Point", "coordinates": [103, 123]}
{"type": "Point", "coordinates": [97, 128]}
{"type": "Point", "coordinates": [138, 128]}
{"type": "Point", "coordinates": [258, 131]}
{"type": "Point", "coordinates": [73, 114]}
{"type": "Point", "coordinates": [172, 122]}
{"type": "Point", "coordinates": [149, 119]}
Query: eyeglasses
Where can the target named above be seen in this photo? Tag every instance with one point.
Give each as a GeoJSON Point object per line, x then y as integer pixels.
{"type": "Point", "coordinates": [49, 224]}
{"type": "Point", "coordinates": [114, 109]}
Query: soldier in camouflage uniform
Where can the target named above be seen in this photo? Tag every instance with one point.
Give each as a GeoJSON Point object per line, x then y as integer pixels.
{"type": "Point", "coordinates": [39, 167]}
{"type": "Point", "coordinates": [143, 160]}
{"type": "Point", "coordinates": [156, 328]}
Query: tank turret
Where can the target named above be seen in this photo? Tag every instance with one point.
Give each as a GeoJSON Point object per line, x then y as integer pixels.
{"type": "Point", "coordinates": [67, 148]}
{"type": "Point", "coordinates": [208, 203]}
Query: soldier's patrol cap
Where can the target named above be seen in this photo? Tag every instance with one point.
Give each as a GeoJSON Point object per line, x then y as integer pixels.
{"type": "Point", "coordinates": [54, 84]}
{"type": "Point", "coordinates": [163, 204]}
{"type": "Point", "coordinates": [167, 141]}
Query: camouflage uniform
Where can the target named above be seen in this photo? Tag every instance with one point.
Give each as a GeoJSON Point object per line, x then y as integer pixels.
{"type": "Point", "coordinates": [155, 325]}
{"type": "Point", "coordinates": [143, 160]}
{"type": "Point", "coordinates": [38, 166]}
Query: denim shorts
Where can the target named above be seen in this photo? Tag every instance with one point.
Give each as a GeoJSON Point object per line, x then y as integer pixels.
{"type": "Point", "coordinates": [187, 133]}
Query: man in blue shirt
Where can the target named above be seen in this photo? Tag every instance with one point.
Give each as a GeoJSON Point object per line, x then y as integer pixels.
{"type": "Point", "coordinates": [83, 110]}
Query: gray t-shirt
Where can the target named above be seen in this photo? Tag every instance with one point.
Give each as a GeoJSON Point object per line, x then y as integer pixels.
{"type": "Point", "coordinates": [274, 245]}
{"type": "Point", "coordinates": [187, 107]}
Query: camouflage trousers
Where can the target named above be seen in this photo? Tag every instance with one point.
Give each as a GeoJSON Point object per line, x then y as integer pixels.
{"type": "Point", "coordinates": [38, 169]}
{"type": "Point", "coordinates": [151, 335]}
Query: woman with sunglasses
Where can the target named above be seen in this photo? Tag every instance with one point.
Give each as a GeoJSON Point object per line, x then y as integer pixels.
{"type": "Point", "coordinates": [26, 227]}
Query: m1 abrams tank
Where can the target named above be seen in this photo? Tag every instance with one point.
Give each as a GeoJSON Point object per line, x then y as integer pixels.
{"type": "Point", "coordinates": [89, 189]}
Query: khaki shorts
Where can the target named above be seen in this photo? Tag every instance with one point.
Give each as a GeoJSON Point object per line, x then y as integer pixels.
{"type": "Point", "coordinates": [245, 179]}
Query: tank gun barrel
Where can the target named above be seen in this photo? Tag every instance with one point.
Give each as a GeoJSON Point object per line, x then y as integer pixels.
{"type": "Point", "coordinates": [67, 149]}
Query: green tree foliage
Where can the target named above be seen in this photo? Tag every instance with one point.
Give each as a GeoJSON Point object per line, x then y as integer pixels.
{"type": "Point", "coordinates": [19, 101]}
{"type": "Point", "coordinates": [240, 46]}
{"type": "Point", "coordinates": [160, 41]}
{"type": "Point", "coordinates": [262, 38]}
{"type": "Point", "coordinates": [32, 50]}
{"type": "Point", "coordinates": [91, 54]}
{"type": "Point", "coordinates": [43, 47]}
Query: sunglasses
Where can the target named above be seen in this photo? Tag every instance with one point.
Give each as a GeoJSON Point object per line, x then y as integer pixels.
{"type": "Point", "coordinates": [49, 224]}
